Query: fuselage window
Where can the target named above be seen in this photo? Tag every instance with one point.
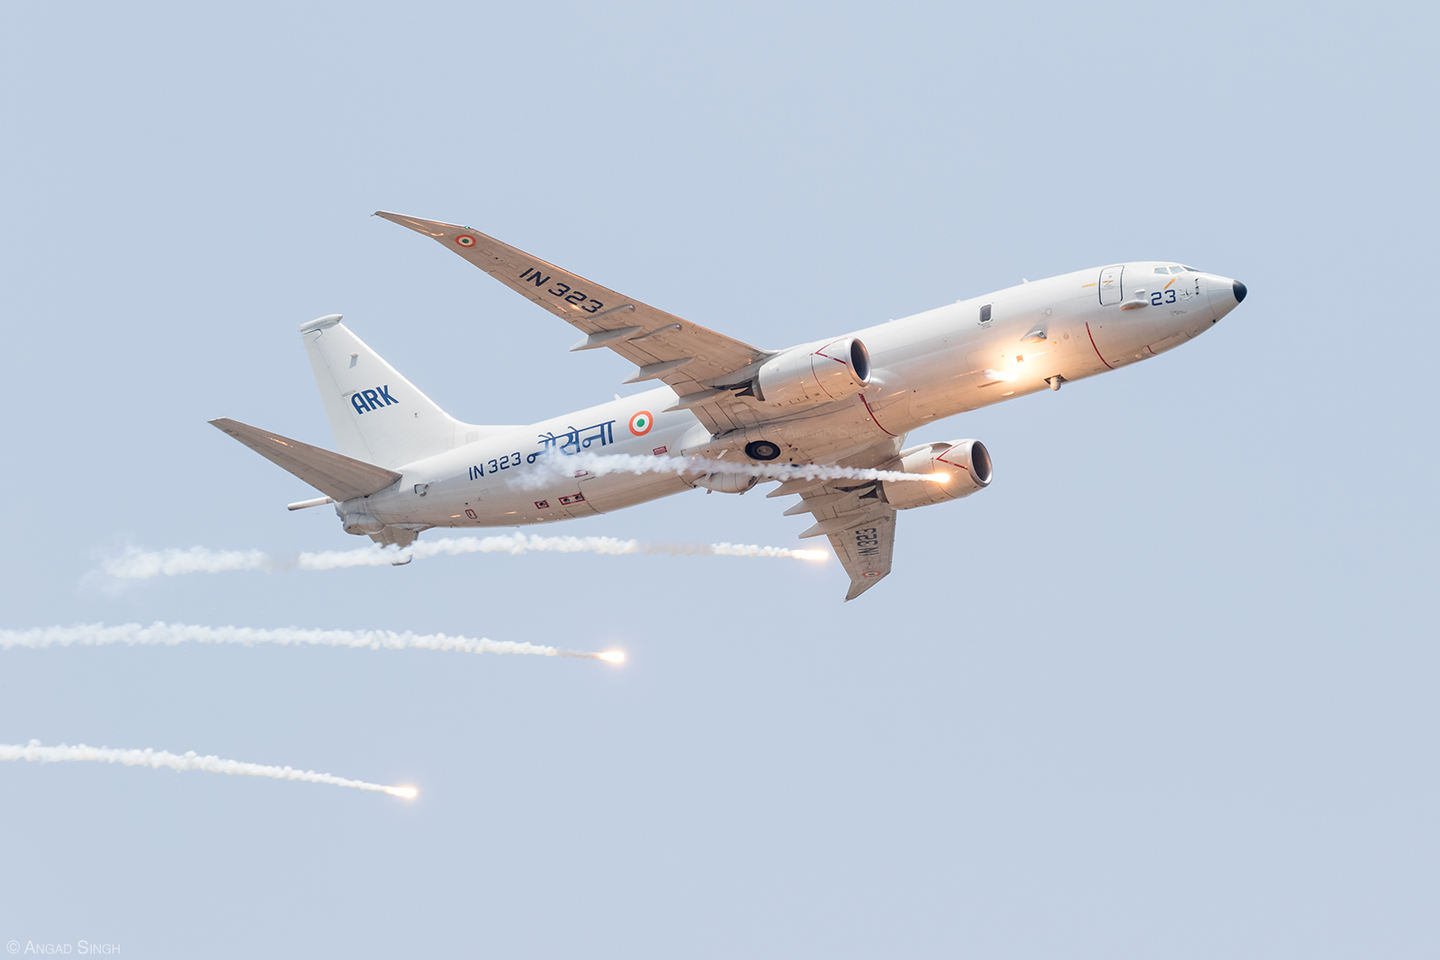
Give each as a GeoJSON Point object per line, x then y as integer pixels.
{"type": "Point", "coordinates": [985, 313]}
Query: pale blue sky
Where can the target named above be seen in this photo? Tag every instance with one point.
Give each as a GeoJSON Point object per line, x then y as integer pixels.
{"type": "Point", "coordinates": [1167, 688]}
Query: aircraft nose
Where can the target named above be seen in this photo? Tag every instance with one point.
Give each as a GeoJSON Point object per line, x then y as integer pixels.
{"type": "Point", "coordinates": [1225, 294]}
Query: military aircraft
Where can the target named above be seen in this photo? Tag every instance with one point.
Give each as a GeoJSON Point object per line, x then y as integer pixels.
{"type": "Point", "coordinates": [847, 400]}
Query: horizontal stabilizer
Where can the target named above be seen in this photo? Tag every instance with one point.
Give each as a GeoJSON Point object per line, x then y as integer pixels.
{"type": "Point", "coordinates": [333, 474]}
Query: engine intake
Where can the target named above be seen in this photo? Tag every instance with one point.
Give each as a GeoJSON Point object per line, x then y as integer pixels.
{"type": "Point", "coordinates": [832, 371]}
{"type": "Point", "coordinates": [965, 462]}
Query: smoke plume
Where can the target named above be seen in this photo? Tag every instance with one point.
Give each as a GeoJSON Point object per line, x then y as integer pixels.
{"type": "Point", "coordinates": [170, 634]}
{"type": "Point", "coordinates": [138, 564]}
{"type": "Point", "coordinates": [187, 761]}
{"type": "Point", "coordinates": [601, 464]}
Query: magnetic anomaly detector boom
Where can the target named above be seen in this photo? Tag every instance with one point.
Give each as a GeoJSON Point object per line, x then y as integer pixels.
{"type": "Point", "coordinates": [850, 400]}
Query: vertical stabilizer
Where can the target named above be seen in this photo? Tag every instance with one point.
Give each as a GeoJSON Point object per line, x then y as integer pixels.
{"type": "Point", "coordinates": [378, 416]}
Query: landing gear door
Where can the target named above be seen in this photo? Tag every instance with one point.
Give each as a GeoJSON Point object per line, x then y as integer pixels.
{"type": "Point", "coordinates": [1111, 285]}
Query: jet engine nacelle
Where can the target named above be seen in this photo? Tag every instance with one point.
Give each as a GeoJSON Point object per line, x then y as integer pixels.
{"type": "Point", "coordinates": [965, 462]}
{"type": "Point", "coordinates": [836, 369]}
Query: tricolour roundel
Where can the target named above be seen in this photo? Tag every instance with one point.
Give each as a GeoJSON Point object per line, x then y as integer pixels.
{"type": "Point", "coordinates": [465, 240]}
{"type": "Point", "coordinates": [641, 423]}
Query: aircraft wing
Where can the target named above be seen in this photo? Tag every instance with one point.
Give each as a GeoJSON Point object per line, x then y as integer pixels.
{"type": "Point", "coordinates": [685, 356]}
{"type": "Point", "coordinates": [860, 525]}
{"type": "Point", "coordinates": [865, 548]}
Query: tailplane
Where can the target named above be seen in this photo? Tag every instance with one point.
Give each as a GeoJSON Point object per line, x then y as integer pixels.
{"type": "Point", "coordinates": [378, 416]}
{"type": "Point", "coordinates": [337, 476]}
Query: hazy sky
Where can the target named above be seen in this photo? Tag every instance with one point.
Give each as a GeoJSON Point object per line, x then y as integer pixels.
{"type": "Point", "coordinates": [1166, 688]}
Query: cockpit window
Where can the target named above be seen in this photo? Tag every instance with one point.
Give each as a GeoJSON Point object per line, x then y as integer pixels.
{"type": "Point", "coordinates": [1177, 269]}
{"type": "Point", "coordinates": [1162, 270]}
{"type": "Point", "coordinates": [1191, 269]}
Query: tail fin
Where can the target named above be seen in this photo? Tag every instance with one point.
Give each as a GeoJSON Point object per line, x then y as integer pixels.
{"type": "Point", "coordinates": [378, 416]}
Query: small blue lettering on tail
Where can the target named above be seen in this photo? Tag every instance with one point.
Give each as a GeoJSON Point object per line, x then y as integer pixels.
{"type": "Point", "coordinates": [366, 400]}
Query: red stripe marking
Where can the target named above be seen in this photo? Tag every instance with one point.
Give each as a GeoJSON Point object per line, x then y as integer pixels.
{"type": "Point", "coordinates": [1097, 349]}
{"type": "Point", "coordinates": [872, 416]}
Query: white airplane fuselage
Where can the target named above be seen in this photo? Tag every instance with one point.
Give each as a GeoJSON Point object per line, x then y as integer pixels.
{"type": "Point", "coordinates": [925, 367]}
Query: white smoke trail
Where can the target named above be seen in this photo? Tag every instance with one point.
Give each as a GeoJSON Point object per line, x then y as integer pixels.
{"type": "Point", "coordinates": [601, 464]}
{"type": "Point", "coordinates": [520, 543]}
{"type": "Point", "coordinates": [186, 761]}
{"type": "Point", "coordinates": [169, 634]}
{"type": "Point", "coordinates": [138, 564]}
